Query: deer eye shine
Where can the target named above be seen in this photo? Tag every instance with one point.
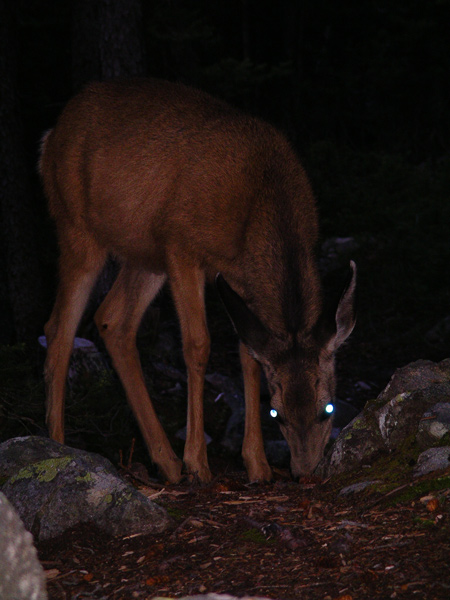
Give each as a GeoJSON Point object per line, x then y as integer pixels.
{"type": "Point", "coordinates": [275, 415]}
{"type": "Point", "coordinates": [326, 413]}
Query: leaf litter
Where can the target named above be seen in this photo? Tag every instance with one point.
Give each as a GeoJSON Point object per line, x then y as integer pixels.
{"type": "Point", "coordinates": [281, 541]}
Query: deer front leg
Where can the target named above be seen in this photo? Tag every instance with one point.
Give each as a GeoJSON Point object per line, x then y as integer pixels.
{"type": "Point", "coordinates": [188, 284]}
{"type": "Point", "coordinates": [253, 447]}
{"type": "Point", "coordinates": [118, 319]}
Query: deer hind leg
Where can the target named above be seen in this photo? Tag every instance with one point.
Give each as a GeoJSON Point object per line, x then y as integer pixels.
{"type": "Point", "coordinates": [79, 268]}
{"type": "Point", "coordinates": [118, 319]}
{"type": "Point", "coordinates": [253, 447]}
{"type": "Point", "coordinates": [188, 285]}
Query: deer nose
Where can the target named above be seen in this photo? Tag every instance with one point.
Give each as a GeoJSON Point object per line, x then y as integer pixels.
{"type": "Point", "coordinates": [299, 473]}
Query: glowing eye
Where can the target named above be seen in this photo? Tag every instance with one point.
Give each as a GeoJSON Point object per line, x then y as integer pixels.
{"type": "Point", "coordinates": [273, 413]}
{"type": "Point", "coordinates": [326, 413]}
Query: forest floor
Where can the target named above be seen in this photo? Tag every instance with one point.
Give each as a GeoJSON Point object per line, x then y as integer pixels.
{"type": "Point", "coordinates": [282, 540]}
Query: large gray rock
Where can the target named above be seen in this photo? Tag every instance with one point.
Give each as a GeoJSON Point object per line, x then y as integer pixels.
{"type": "Point", "coordinates": [21, 574]}
{"type": "Point", "coordinates": [416, 376]}
{"type": "Point", "coordinates": [400, 417]}
{"type": "Point", "coordinates": [400, 411]}
{"type": "Point", "coordinates": [359, 442]}
{"type": "Point", "coordinates": [54, 487]}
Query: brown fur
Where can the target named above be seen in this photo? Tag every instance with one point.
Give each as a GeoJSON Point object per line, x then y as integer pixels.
{"type": "Point", "coordinates": [177, 184]}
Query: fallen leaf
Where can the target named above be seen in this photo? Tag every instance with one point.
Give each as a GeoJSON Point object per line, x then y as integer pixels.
{"type": "Point", "coordinates": [151, 581]}
{"type": "Point", "coordinates": [433, 505]}
{"type": "Point", "coordinates": [51, 574]}
{"type": "Point", "coordinates": [237, 502]}
{"type": "Point", "coordinates": [155, 550]}
{"type": "Point", "coordinates": [277, 498]}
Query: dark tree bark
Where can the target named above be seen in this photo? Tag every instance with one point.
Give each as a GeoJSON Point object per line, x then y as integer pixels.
{"type": "Point", "coordinates": [21, 272]}
{"type": "Point", "coordinates": [107, 40]}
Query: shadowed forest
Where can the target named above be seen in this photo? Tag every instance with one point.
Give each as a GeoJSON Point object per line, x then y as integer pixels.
{"type": "Point", "coordinates": [360, 88]}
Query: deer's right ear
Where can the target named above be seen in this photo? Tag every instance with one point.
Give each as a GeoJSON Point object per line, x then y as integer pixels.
{"type": "Point", "coordinates": [247, 325]}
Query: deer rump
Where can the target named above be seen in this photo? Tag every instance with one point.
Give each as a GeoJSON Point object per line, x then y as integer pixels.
{"type": "Point", "coordinates": [179, 185]}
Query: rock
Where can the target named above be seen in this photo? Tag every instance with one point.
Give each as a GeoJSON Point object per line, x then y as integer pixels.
{"type": "Point", "coordinates": [87, 363]}
{"type": "Point", "coordinates": [358, 443]}
{"type": "Point", "coordinates": [400, 416]}
{"type": "Point", "coordinates": [22, 576]}
{"type": "Point", "coordinates": [432, 459]}
{"type": "Point", "coordinates": [357, 487]}
{"type": "Point", "coordinates": [434, 425]}
{"type": "Point", "coordinates": [416, 376]}
{"type": "Point", "coordinates": [397, 414]}
{"type": "Point", "coordinates": [344, 413]}
{"type": "Point", "coordinates": [54, 488]}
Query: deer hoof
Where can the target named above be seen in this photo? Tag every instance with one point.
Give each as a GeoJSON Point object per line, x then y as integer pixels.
{"type": "Point", "coordinates": [171, 471]}
{"type": "Point", "coordinates": [199, 473]}
{"type": "Point", "coordinates": [260, 472]}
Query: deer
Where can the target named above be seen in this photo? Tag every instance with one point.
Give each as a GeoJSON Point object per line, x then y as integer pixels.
{"type": "Point", "coordinates": [180, 186]}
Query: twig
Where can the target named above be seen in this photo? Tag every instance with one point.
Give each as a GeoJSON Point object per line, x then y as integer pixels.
{"type": "Point", "coordinates": [387, 495]}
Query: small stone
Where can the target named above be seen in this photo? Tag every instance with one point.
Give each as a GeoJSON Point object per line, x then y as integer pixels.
{"type": "Point", "coordinates": [432, 459]}
{"type": "Point", "coordinates": [357, 487]}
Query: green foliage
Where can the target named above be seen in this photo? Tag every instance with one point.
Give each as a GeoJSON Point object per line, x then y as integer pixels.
{"type": "Point", "coordinates": [174, 512]}
{"type": "Point", "coordinates": [422, 488]}
{"type": "Point", "coordinates": [255, 536]}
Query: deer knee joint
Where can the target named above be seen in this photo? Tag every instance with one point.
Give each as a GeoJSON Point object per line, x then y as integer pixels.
{"type": "Point", "coordinates": [196, 351]}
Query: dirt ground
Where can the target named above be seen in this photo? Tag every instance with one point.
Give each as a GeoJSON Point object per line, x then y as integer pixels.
{"type": "Point", "coordinates": [282, 540]}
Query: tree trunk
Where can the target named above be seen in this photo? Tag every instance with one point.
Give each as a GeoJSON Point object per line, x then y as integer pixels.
{"type": "Point", "coordinates": [107, 40]}
{"type": "Point", "coordinates": [19, 249]}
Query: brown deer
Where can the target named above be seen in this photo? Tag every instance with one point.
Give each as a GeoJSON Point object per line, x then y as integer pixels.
{"type": "Point", "coordinates": [178, 185]}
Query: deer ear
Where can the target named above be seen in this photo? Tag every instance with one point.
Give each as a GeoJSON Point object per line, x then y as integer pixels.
{"type": "Point", "coordinates": [247, 325]}
{"type": "Point", "coordinates": [345, 314]}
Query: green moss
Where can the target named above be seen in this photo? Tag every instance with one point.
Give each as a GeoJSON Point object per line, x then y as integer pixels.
{"type": "Point", "coordinates": [43, 471]}
{"type": "Point", "coordinates": [420, 489]}
{"type": "Point", "coordinates": [121, 498]}
{"type": "Point", "coordinates": [424, 523]}
{"type": "Point", "coordinates": [395, 466]}
{"type": "Point", "coordinates": [175, 513]}
{"type": "Point", "coordinates": [444, 441]}
{"type": "Point", "coordinates": [85, 478]}
{"type": "Point", "coordinates": [254, 535]}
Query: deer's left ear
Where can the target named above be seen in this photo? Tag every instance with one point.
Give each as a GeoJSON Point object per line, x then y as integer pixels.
{"type": "Point", "coordinates": [345, 314]}
{"type": "Point", "coordinates": [247, 325]}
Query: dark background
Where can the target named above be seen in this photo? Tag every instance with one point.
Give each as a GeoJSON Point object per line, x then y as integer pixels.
{"type": "Point", "coordinates": [360, 88]}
